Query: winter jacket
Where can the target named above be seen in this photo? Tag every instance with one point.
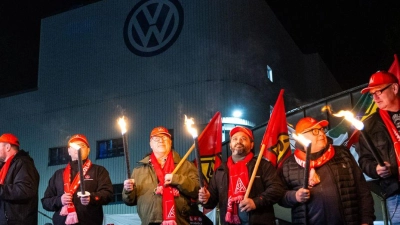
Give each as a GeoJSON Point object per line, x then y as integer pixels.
{"type": "Point", "coordinates": [379, 135]}
{"type": "Point", "coordinates": [19, 193]}
{"type": "Point", "coordinates": [342, 197]}
{"type": "Point", "coordinates": [97, 183]}
{"type": "Point", "coordinates": [267, 189]}
{"type": "Point", "coordinates": [149, 204]}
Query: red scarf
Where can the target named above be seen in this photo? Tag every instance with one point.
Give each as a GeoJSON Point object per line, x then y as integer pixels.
{"type": "Point", "coordinates": [168, 193]}
{"type": "Point", "coordinates": [69, 210]}
{"type": "Point", "coordinates": [238, 182]}
{"type": "Point", "coordinates": [394, 134]}
{"type": "Point", "coordinates": [300, 157]}
{"type": "Point", "coordinates": [4, 170]}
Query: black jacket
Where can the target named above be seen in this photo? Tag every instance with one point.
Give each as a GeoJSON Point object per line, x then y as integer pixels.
{"type": "Point", "coordinates": [378, 134]}
{"type": "Point", "coordinates": [267, 189]}
{"type": "Point", "coordinates": [19, 193]}
{"type": "Point", "coordinates": [97, 183]}
{"type": "Point", "coordinates": [342, 194]}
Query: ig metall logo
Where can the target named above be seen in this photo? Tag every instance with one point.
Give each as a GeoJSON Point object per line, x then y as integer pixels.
{"type": "Point", "coordinates": [152, 26]}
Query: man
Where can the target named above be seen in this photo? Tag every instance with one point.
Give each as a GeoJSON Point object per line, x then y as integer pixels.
{"type": "Point", "coordinates": [337, 192]}
{"type": "Point", "coordinates": [229, 183]}
{"type": "Point", "coordinates": [19, 182]}
{"type": "Point", "coordinates": [383, 127]}
{"type": "Point", "coordinates": [162, 197]}
{"type": "Point", "coordinates": [61, 193]}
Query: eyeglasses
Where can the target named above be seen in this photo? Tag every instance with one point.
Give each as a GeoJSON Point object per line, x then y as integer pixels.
{"type": "Point", "coordinates": [159, 139]}
{"type": "Point", "coordinates": [316, 131]}
{"type": "Point", "coordinates": [379, 92]}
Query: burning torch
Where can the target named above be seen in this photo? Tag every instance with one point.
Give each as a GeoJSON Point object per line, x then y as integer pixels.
{"type": "Point", "coordinates": [80, 167]}
{"type": "Point", "coordinates": [193, 132]}
{"type": "Point", "coordinates": [122, 125]}
{"type": "Point", "coordinates": [307, 144]}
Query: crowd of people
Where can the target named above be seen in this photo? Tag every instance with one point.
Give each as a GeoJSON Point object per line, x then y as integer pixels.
{"type": "Point", "coordinates": [335, 191]}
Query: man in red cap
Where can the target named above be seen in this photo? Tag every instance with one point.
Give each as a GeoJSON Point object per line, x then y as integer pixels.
{"type": "Point", "coordinates": [229, 183]}
{"type": "Point", "coordinates": [61, 195]}
{"type": "Point", "coordinates": [337, 192]}
{"type": "Point", "coordinates": [382, 128]}
{"type": "Point", "coordinates": [19, 182]}
{"type": "Point", "coordinates": [162, 197]}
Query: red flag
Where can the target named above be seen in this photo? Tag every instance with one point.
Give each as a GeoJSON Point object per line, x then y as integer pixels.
{"type": "Point", "coordinates": [210, 145]}
{"type": "Point", "coordinates": [276, 137]}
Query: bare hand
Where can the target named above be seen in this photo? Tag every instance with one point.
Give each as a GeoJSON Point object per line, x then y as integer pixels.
{"type": "Point", "coordinates": [384, 171]}
{"type": "Point", "coordinates": [204, 195]}
{"type": "Point", "coordinates": [66, 199]}
{"type": "Point", "coordinates": [302, 195]}
{"type": "Point", "coordinates": [247, 205]}
{"type": "Point", "coordinates": [85, 200]}
{"type": "Point", "coordinates": [168, 178]}
{"type": "Point", "coordinates": [128, 184]}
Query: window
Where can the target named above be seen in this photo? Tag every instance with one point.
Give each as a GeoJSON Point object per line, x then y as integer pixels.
{"type": "Point", "coordinates": [58, 156]}
{"type": "Point", "coordinates": [117, 198]}
{"type": "Point", "coordinates": [109, 148]}
{"type": "Point", "coordinates": [269, 74]}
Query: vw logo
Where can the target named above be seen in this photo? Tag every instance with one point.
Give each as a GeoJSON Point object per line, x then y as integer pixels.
{"type": "Point", "coordinates": [151, 27]}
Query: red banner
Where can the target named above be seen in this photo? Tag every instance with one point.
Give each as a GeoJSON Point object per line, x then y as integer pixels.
{"type": "Point", "coordinates": [276, 137]}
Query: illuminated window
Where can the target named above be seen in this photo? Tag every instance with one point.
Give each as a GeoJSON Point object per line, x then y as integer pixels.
{"type": "Point", "coordinates": [269, 74]}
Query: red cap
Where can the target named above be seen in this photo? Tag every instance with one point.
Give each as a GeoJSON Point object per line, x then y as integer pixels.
{"type": "Point", "coordinates": [244, 130]}
{"type": "Point", "coordinates": [380, 78]}
{"type": "Point", "coordinates": [159, 130]}
{"type": "Point", "coordinates": [307, 123]}
{"type": "Point", "coordinates": [9, 138]}
{"type": "Point", "coordinates": [79, 137]}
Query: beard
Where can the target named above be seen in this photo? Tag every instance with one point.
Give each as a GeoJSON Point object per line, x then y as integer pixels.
{"type": "Point", "coordinates": [239, 150]}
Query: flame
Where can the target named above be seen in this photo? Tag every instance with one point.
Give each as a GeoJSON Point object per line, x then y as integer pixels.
{"type": "Point", "coordinates": [122, 125]}
{"type": "Point", "coordinates": [188, 124]}
{"type": "Point", "coordinates": [300, 138]}
{"type": "Point", "coordinates": [327, 108]}
{"type": "Point", "coordinates": [350, 117]}
{"type": "Point", "coordinates": [75, 146]}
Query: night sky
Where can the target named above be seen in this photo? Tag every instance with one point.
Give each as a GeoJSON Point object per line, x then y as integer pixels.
{"type": "Point", "coordinates": [354, 38]}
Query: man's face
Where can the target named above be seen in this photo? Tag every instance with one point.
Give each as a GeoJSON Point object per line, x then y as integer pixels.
{"type": "Point", "coordinates": [3, 151]}
{"type": "Point", "coordinates": [241, 144]}
{"type": "Point", "coordinates": [160, 144]}
{"type": "Point", "coordinates": [85, 150]}
{"type": "Point", "coordinates": [385, 96]}
{"type": "Point", "coordinates": [317, 137]}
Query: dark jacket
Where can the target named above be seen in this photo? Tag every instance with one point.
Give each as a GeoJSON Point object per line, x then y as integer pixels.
{"type": "Point", "coordinates": [97, 183]}
{"type": "Point", "coordinates": [378, 134]}
{"type": "Point", "coordinates": [19, 193]}
{"type": "Point", "coordinates": [342, 195]}
{"type": "Point", "coordinates": [149, 205]}
{"type": "Point", "coordinates": [267, 189]}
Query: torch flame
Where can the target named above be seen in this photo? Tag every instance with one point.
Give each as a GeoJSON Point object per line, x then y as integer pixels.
{"type": "Point", "coordinates": [303, 140]}
{"type": "Point", "coordinates": [189, 123]}
{"type": "Point", "coordinates": [75, 146]}
{"type": "Point", "coordinates": [350, 117]}
{"type": "Point", "coordinates": [122, 125]}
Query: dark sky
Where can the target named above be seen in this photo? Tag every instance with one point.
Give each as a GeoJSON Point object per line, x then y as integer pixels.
{"type": "Point", "coordinates": [354, 38]}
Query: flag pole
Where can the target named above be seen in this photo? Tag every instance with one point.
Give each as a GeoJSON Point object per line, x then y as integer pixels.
{"type": "Point", "coordinates": [183, 159]}
{"type": "Point", "coordinates": [253, 175]}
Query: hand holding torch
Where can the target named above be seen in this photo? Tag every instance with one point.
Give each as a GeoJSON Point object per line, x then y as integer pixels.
{"type": "Point", "coordinates": [80, 167]}
{"type": "Point", "coordinates": [307, 145]}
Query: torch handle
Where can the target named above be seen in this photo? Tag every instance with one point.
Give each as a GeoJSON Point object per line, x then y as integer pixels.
{"type": "Point", "coordinates": [126, 153]}
{"type": "Point", "coordinates": [307, 167]}
{"type": "Point", "coordinates": [82, 180]}
{"type": "Point", "coordinates": [371, 146]}
{"type": "Point", "coordinates": [198, 161]}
